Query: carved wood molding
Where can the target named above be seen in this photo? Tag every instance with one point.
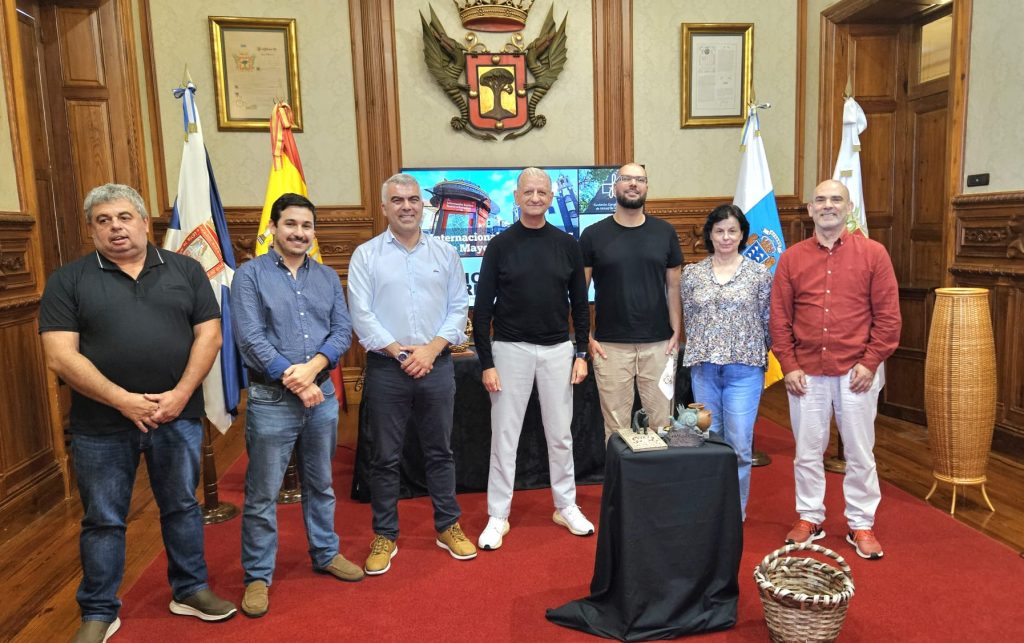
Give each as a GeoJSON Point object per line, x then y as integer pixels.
{"type": "Point", "coordinates": [701, 206]}
{"type": "Point", "coordinates": [968, 201]}
{"type": "Point", "coordinates": [613, 81]}
{"type": "Point", "coordinates": [1011, 272]}
{"type": "Point", "coordinates": [16, 220]}
{"type": "Point", "coordinates": [19, 302]}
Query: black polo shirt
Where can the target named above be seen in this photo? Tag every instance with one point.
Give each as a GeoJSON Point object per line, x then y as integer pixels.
{"type": "Point", "coordinates": [137, 332]}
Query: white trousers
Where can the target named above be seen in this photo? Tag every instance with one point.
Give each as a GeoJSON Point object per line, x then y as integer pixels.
{"type": "Point", "coordinates": [855, 416]}
{"type": "Point", "coordinates": [519, 364]}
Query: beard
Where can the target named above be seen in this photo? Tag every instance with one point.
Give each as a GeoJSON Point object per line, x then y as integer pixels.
{"type": "Point", "coordinates": [632, 204]}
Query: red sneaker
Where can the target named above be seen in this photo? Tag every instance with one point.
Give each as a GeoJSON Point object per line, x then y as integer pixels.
{"type": "Point", "coordinates": [804, 532]}
{"type": "Point", "coordinates": [864, 541]}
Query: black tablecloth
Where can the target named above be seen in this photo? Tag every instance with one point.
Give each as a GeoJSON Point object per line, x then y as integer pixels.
{"type": "Point", "coordinates": [668, 547]}
{"type": "Point", "coordinates": [471, 438]}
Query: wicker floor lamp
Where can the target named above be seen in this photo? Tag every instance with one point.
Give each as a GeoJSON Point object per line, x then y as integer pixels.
{"type": "Point", "coordinates": [960, 389]}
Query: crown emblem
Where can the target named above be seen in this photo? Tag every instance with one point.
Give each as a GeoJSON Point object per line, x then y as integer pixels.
{"type": "Point", "coordinates": [493, 15]}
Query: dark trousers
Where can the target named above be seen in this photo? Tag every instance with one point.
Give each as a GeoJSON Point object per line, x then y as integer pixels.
{"type": "Point", "coordinates": [430, 400]}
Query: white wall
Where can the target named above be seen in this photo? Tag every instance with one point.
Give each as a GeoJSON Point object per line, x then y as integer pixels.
{"type": "Point", "coordinates": [425, 110]}
{"type": "Point", "coordinates": [695, 162]}
{"type": "Point", "coordinates": [241, 160]}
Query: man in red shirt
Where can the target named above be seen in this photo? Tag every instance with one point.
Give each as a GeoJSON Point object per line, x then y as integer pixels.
{"type": "Point", "coordinates": [835, 318]}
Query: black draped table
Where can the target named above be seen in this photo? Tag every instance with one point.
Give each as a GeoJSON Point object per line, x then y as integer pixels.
{"type": "Point", "coordinates": [471, 438]}
{"type": "Point", "coordinates": [668, 547]}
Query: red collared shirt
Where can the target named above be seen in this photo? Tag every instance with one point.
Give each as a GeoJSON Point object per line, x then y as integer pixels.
{"type": "Point", "coordinates": [832, 309]}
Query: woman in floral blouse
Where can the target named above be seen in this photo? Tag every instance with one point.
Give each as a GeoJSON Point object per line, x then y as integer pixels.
{"type": "Point", "coordinates": [725, 306]}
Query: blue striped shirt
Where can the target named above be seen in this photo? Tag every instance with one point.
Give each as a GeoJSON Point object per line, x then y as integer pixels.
{"type": "Point", "coordinates": [280, 320]}
{"type": "Point", "coordinates": [407, 296]}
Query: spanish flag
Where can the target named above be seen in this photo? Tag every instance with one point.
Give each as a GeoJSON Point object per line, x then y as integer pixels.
{"type": "Point", "coordinates": [285, 174]}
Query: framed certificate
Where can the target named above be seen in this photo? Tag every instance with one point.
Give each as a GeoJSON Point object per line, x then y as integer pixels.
{"type": "Point", "coordinates": [717, 74]}
{"type": "Point", "coordinates": [255, 65]}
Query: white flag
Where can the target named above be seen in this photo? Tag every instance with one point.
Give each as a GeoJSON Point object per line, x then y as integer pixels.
{"type": "Point", "coordinates": [848, 164]}
{"type": "Point", "coordinates": [198, 229]}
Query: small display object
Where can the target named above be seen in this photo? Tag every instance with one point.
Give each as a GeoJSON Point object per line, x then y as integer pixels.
{"type": "Point", "coordinates": [689, 427]}
{"type": "Point", "coordinates": [641, 437]}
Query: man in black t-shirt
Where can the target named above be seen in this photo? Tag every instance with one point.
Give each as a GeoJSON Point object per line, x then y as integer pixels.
{"type": "Point", "coordinates": [133, 331]}
{"type": "Point", "coordinates": [635, 261]}
{"type": "Point", "coordinates": [530, 275]}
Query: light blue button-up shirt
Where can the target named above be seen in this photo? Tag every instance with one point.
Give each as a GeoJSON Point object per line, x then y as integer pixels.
{"type": "Point", "coordinates": [407, 296]}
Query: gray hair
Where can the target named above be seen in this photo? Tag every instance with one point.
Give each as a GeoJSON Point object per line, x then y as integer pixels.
{"type": "Point", "coordinates": [113, 192]}
{"type": "Point", "coordinates": [532, 173]}
{"type": "Point", "coordinates": [399, 179]}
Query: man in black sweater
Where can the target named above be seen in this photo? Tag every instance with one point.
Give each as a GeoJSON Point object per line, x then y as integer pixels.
{"type": "Point", "coordinates": [529, 276]}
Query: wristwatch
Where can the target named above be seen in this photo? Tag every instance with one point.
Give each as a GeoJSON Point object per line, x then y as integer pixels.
{"type": "Point", "coordinates": [402, 356]}
{"type": "Point", "coordinates": [582, 355]}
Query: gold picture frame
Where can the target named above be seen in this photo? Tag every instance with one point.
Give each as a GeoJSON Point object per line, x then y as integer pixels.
{"type": "Point", "coordinates": [717, 77]}
{"type": "Point", "coordinates": [255, 65]}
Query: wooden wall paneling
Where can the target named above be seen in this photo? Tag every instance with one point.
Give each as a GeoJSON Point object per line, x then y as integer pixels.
{"type": "Point", "coordinates": [613, 81]}
{"type": "Point", "coordinates": [375, 80]}
{"type": "Point", "coordinates": [33, 464]}
{"type": "Point", "coordinates": [989, 253]}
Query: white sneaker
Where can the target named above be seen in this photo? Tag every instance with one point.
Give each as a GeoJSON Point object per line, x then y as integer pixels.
{"type": "Point", "coordinates": [573, 519]}
{"type": "Point", "coordinates": [490, 537]}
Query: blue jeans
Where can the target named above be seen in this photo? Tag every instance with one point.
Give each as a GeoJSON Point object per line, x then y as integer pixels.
{"type": "Point", "coordinates": [732, 392]}
{"type": "Point", "coordinates": [394, 398]}
{"type": "Point", "coordinates": [105, 467]}
{"type": "Point", "coordinates": [275, 423]}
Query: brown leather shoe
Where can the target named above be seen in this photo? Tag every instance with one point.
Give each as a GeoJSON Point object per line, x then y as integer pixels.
{"type": "Point", "coordinates": [341, 568]}
{"type": "Point", "coordinates": [96, 631]}
{"type": "Point", "coordinates": [256, 601]}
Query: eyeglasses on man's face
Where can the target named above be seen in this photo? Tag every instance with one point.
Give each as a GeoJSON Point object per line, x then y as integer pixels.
{"type": "Point", "coordinates": [625, 178]}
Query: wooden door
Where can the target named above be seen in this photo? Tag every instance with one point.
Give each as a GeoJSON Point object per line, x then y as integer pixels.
{"type": "Point", "coordinates": [82, 120]}
{"type": "Point", "coordinates": [93, 108]}
{"type": "Point", "coordinates": [903, 161]}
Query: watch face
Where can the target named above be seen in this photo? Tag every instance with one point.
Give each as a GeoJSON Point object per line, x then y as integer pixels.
{"type": "Point", "coordinates": [402, 356]}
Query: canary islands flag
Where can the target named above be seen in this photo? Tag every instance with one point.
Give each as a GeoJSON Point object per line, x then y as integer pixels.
{"type": "Point", "coordinates": [756, 197]}
{"type": "Point", "coordinates": [199, 229]}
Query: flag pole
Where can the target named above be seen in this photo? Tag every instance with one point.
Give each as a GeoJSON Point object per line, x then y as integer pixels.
{"type": "Point", "coordinates": [758, 458]}
{"type": "Point", "coordinates": [290, 492]}
{"type": "Point", "coordinates": [214, 511]}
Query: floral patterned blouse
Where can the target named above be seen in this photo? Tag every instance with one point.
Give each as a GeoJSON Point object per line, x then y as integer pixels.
{"type": "Point", "coordinates": [726, 323]}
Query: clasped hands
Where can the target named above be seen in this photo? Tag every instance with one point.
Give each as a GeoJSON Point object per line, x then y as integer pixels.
{"type": "Point", "coordinates": [150, 410]}
{"type": "Point", "coordinates": [300, 380]}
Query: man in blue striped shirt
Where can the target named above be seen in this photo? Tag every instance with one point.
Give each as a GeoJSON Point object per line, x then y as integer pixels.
{"type": "Point", "coordinates": [292, 326]}
{"type": "Point", "coordinates": [409, 302]}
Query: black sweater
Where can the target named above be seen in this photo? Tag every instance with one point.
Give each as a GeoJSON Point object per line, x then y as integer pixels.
{"type": "Point", "coordinates": [528, 278]}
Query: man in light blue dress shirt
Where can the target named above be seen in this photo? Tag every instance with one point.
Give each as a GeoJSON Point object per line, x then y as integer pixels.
{"type": "Point", "coordinates": [292, 326]}
{"type": "Point", "coordinates": [407, 292]}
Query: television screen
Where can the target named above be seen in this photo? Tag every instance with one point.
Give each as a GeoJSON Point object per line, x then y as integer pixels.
{"type": "Point", "coordinates": [467, 207]}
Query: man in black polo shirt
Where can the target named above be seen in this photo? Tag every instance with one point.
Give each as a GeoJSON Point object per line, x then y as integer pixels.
{"type": "Point", "coordinates": [133, 331]}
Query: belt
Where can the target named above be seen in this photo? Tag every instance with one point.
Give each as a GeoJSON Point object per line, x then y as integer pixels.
{"type": "Point", "coordinates": [258, 377]}
{"type": "Point", "coordinates": [386, 355]}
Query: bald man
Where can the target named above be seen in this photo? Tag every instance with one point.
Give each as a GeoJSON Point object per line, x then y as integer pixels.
{"type": "Point", "coordinates": [835, 317]}
{"type": "Point", "coordinates": [635, 262]}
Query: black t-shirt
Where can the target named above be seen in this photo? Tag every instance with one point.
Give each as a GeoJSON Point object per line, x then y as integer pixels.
{"type": "Point", "coordinates": [628, 268]}
{"type": "Point", "coordinates": [528, 278]}
{"type": "Point", "coordinates": [138, 333]}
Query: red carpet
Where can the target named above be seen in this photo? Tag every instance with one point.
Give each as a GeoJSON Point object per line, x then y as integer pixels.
{"type": "Point", "coordinates": [939, 580]}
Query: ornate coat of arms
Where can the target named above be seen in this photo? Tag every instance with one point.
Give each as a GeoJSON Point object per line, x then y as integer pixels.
{"type": "Point", "coordinates": [496, 95]}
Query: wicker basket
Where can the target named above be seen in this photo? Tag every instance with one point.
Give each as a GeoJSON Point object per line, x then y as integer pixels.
{"type": "Point", "coordinates": [804, 599]}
